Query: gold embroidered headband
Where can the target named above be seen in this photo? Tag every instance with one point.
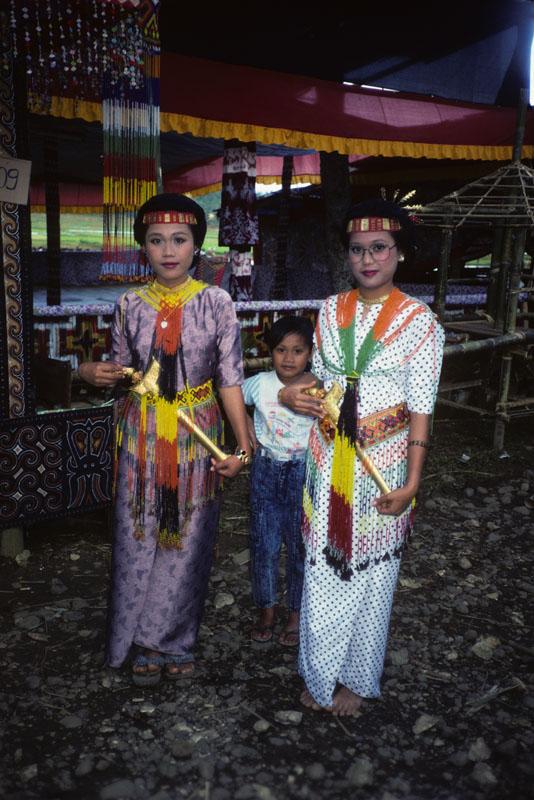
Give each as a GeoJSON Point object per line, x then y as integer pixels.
{"type": "Point", "coordinates": [372, 224]}
{"type": "Point", "coordinates": [159, 217]}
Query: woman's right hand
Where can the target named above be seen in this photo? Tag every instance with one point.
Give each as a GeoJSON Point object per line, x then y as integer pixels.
{"type": "Point", "coordinates": [100, 373]}
{"type": "Point", "coordinates": [294, 397]}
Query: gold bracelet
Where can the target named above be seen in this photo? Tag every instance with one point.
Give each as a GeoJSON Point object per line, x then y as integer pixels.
{"type": "Point", "coordinates": [242, 455]}
{"type": "Point", "coordinates": [417, 443]}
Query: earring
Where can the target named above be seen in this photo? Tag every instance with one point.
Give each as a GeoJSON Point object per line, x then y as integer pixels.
{"type": "Point", "coordinates": [197, 251]}
{"type": "Point", "coordinates": [401, 257]}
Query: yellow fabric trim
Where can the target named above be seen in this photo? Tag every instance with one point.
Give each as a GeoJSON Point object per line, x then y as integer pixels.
{"type": "Point", "coordinates": [188, 397]}
{"type": "Point", "coordinates": [265, 179]}
{"type": "Point", "coordinates": [68, 107]}
{"type": "Point", "coordinates": [212, 187]}
{"type": "Point", "coordinates": [181, 123]}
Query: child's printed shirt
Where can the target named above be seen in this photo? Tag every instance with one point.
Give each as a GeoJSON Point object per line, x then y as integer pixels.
{"type": "Point", "coordinates": [281, 432]}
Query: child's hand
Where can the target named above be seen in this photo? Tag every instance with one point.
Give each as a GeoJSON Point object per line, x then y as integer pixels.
{"type": "Point", "coordinates": [395, 502]}
{"type": "Point", "coordinates": [228, 468]}
{"type": "Point", "coordinates": [294, 397]}
{"type": "Point", "coordinates": [100, 373]}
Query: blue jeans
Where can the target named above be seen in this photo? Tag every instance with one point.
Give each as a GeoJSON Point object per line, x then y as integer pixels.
{"type": "Point", "coordinates": [275, 516]}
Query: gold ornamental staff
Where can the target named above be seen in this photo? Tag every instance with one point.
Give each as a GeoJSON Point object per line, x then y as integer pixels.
{"type": "Point", "coordinates": [148, 384]}
{"type": "Point", "coordinates": [330, 401]}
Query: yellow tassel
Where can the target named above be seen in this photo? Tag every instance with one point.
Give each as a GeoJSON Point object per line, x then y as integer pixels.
{"type": "Point", "coordinates": [171, 540]}
{"type": "Point", "coordinates": [343, 468]}
{"type": "Point", "coordinates": [166, 420]}
{"type": "Point", "coordinates": [307, 505]}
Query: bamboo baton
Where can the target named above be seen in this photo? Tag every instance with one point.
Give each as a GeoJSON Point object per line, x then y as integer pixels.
{"type": "Point", "coordinates": [328, 424]}
{"type": "Point", "coordinates": [148, 384]}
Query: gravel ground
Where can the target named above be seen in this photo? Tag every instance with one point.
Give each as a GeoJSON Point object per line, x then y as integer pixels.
{"type": "Point", "coordinates": [454, 720]}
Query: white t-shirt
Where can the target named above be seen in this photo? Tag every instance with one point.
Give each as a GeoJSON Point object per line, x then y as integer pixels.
{"type": "Point", "coordinates": [279, 430]}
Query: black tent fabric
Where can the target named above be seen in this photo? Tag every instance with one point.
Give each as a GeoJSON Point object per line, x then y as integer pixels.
{"type": "Point", "coordinates": [470, 50]}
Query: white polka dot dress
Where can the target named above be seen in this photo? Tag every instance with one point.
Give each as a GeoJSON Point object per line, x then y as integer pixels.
{"type": "Point", "coordinates": [344, 624]}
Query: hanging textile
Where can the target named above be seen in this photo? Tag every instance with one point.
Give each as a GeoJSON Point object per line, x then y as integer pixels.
{"type": "Point", "coordinates": [101, 51]}
{"type": "Point", "coordinates": [238, 224]}
{"type": "Point", "coordinates": [241, 275]}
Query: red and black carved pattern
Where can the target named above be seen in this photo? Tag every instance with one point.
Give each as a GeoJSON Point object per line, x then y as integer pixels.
{"type": "Point", "coordinates": [89, 340]}
{"type": "Point", "coordinates": [54, 464]}
{"type": "Point", "coordinates": [87, 337]}
{"type": "Point", "coordinates": [31, 482]}
{"type": "Point", "coordinates": [88, 467]}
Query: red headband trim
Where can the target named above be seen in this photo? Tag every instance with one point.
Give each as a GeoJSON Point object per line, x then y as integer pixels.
{"type": "Point", "coordinates": [164, 217]}
{"type": "Point", "coordinates": [372, 224]}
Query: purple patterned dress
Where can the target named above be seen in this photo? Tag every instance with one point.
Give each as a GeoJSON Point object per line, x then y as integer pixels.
{"type": "Point", "coordinates": [157, 593]}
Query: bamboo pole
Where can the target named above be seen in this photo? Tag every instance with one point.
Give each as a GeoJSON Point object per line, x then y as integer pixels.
{"type": "Point", "coordinates": [494, 274]}
{"type": "Point", "coordinates": [443, 269]}
{"type": "Point", "coordinates": [492, 343]}
{"type": "Point", "coordinates": [509, 307]}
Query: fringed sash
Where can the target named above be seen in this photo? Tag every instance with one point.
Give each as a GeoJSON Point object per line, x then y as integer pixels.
{"type": "Point", "coordinates": [353, 364]}
{"type": "Point", "coordinates": [163, 457]}
{"type": "Point", "coordinates": [372, 430]}
{"type": "Point", "coordinates": [168, 470]}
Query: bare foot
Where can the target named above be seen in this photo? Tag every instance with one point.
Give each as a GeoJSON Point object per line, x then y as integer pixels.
{"type": "Point", "coordinates": [346, 703]}
{"type": "Point", "coordinates": [307, 700]}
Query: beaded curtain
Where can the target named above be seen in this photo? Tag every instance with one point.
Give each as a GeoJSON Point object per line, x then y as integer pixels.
{"type": "Point", "coordinates": [101, 51]}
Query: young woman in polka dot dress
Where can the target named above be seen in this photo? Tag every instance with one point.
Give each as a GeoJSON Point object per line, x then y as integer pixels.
{"type": "Point", "coordinates": [384, 349]}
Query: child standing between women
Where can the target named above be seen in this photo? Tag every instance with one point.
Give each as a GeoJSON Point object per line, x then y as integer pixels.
{"type": "Point", "coordinates": [280, 439]}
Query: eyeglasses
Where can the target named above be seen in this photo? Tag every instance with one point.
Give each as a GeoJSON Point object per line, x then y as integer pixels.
{"type": "Point", "coordinates": [378, 251]}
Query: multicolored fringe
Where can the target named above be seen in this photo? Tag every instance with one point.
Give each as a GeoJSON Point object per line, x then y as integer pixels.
{"type": "Point", "coordinates": [370, 543]}
{"type": "Point", "coordinates": [165, 458]}
{"type": "Point", "coordinates": [339, 549]}
{"type": "Point", "coordinates": [131, 127]}
{"type": "Point", "coordinates": [69, 47]}
{"type": "Point", "coordinates": [353, 364]}
{"type": "Point", "coordinates": [109, 52]}
{"type": "Point", "coordinates": [168, 470]}
{"type": "Point", "coordinates": [374, 543]}
{"type": "Point", "coordinates": [315, 456]}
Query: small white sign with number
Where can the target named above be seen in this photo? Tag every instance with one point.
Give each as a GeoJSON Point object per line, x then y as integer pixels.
{"type": "Point", "coordinates": [14, 180]}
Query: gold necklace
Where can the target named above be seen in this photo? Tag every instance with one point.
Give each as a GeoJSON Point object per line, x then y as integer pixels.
{"type": "Point", "coordinates": [378, 301]}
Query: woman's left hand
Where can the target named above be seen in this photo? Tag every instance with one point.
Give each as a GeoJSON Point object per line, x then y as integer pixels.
{"type": "Point", "coordinates": [395, 502]}
{"type": "Point", "coordinates": [228, 468]}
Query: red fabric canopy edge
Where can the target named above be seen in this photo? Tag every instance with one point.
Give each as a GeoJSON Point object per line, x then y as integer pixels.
{"type": "Point", "coordinates": [232, 93]}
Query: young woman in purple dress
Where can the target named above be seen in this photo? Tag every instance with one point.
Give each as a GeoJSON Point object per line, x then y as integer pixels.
{"type": "Point", "coordinates": [167, 485]}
